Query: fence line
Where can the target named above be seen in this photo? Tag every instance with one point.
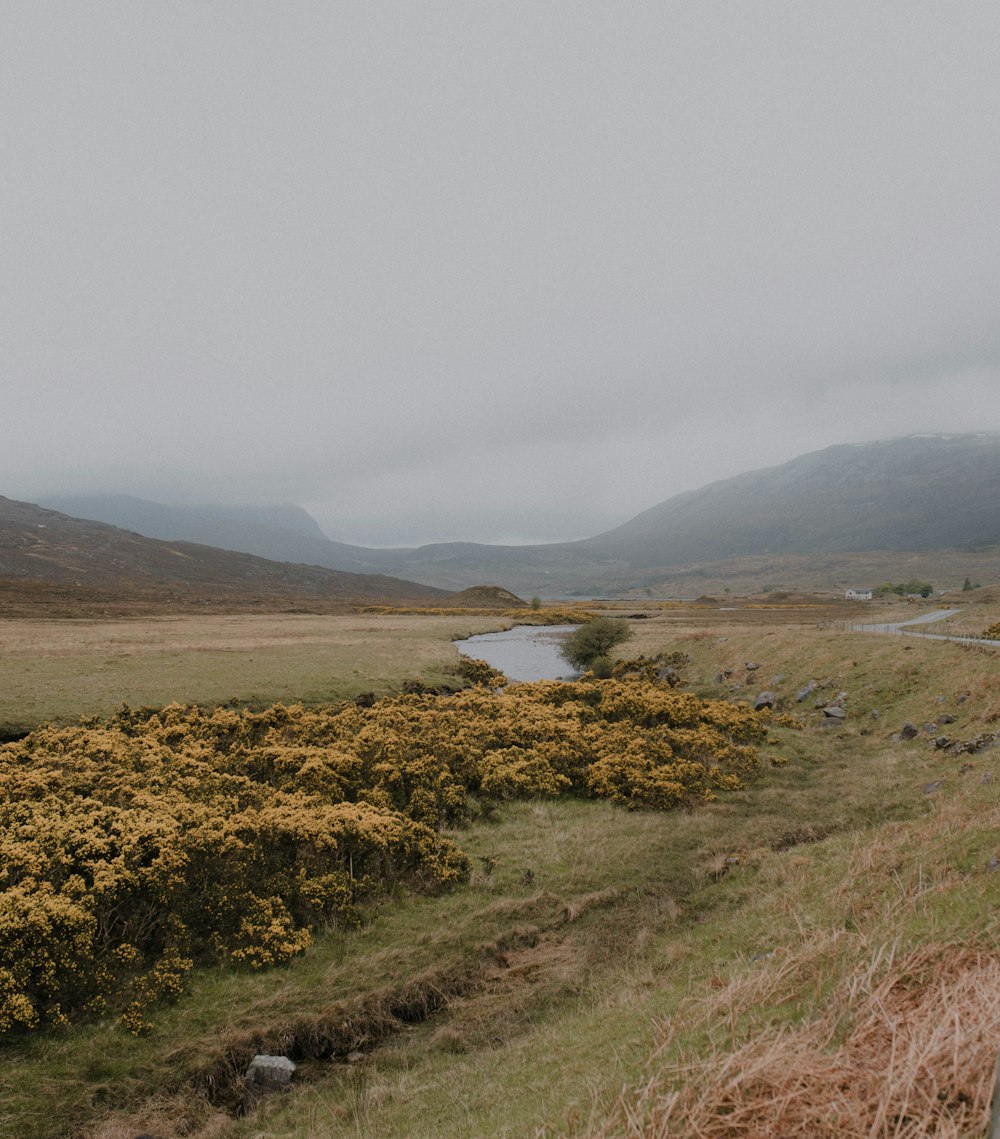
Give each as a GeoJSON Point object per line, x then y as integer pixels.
{"type": "Point", "coordinates": [979, 644]}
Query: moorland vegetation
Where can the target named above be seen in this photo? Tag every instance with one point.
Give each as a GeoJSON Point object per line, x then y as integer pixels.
{"type": "Point", "coordinates": [135, 848]}
{"type": "Point", "coordinates": [814, 953]}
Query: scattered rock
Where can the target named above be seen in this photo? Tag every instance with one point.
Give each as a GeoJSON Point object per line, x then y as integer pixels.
{"type": "Point", "coordinates": [965, 769]}
{"type": "Point", "coordinates": [778, 679]}
{"type": "Point", "coordinates": [930, 788]}
{"type": "Point", "coordinates": [670, 675]}
{"type": "Point", "coordinates": [909, 731]}
{"type": "Point", "coordinates": [355, 1057]}
{"type": "Point", "coordinates": [977, 743]}
{"type": "Point", "coordinates": [993, 864]}
{"type": "Point", "coordinates": [751, 666]}
{"type": "Point", "coordinates": [987, 778]}
{"type": "Point", "coordinates": [941, 742]}
{"type": "Point", "coordinates": [764, 700]}
{"type": "Point", "coordinates": [806, 690]}
{"type": "Point", "coordinates": [269, 1072]}
{"type": "Point", "coordinates": [723, 676]}
{"type": "Point", "coordinates": [834, 712]}
{"type": "Point", "coordinates": [820, 702]}
{"type": "Point", "coordinates": [946, 719]}
{"type": "Point", "coordinates": [930, 729]}
{"type": "Point", "coordinates": [963, 697]}
{"type": "Point", "coordinates": [875, 713]}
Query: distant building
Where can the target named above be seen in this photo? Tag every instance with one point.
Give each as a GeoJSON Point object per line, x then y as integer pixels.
{"type": "Point", "coordinates": [858, 595]}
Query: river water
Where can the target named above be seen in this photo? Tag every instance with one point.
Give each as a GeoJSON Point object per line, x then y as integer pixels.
{"type": "Point", "coordinates": [526, 652]}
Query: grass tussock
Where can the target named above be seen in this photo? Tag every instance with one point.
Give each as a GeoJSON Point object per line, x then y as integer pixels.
{"type": "Point", "coordinates": [918, 1059]}
{"type": "Point", "coordinates": [875, 1014]}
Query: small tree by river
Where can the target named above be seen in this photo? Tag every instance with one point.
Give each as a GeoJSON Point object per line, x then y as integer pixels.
{"type": "Point", "coordinates": [594, 640]}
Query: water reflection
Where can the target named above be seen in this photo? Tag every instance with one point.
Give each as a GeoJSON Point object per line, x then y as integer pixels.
{"type": "Point", "coordinates": [526, 652]}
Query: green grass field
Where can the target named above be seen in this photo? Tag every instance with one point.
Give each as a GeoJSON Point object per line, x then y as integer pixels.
{"type": "Point", "coordinates": [599, 963]}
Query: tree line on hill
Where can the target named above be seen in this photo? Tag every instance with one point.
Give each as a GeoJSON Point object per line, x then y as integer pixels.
{"type": "Point", "coordinates": [904, 589]}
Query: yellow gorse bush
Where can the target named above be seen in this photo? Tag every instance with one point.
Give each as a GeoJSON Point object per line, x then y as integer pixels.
{"type": "Point", "coordinates": [132, 850]}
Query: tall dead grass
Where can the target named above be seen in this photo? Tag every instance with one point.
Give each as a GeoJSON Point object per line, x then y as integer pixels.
{"type": "Point", "coordinates": [879, 1026]}
{"type": "Point", "coordinates": [916, 1060]}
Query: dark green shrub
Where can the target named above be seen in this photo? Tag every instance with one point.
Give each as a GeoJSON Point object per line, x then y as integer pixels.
{"type": "Point", "coordinates": [595, 639]}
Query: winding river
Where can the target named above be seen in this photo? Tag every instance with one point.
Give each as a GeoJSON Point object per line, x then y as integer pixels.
{"type": "Point", "coordinates": [526, 652]}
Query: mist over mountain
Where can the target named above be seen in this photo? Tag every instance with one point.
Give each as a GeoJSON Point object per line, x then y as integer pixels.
{"type": "Point", "coordinates": [917, 493]}
{"type": "Point", "coordinates": [156, 520]}
{"type": "Point", "coordinates": [281, 533]}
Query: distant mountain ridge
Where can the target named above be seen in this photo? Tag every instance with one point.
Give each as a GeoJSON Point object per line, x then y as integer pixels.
{"type": "Point", "coordinates": [43, 546]}
{"type": "Point", "coordinates": [913, 493]}
{"type": "Point", "coordinates": [281, 533]}
{"type": "Point", "coordinates": [131, 513]}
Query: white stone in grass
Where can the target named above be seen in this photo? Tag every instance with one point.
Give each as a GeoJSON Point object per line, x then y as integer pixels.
{"type": "Point", "coordinates": [270, 1071]}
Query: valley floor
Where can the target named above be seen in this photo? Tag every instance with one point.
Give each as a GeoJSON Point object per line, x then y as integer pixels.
{"type": "Point", "coordinates": [613, 973]}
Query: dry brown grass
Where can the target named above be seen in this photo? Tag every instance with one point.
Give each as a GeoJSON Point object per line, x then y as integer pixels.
{"type": "Point", "coordinates": [835, 572]}
{"type": "Point", "coordinates": [61, 670]}
{"type": "Point", "coordinates": [876, 1015]}
{"type": "Point", "coordinates": [917, 1060]}
{"type": "Point", "coordinates": [179, 1116]}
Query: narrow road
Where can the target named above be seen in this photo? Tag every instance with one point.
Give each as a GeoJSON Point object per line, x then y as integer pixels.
{"type": "Point", "coordinates": [905, 629]}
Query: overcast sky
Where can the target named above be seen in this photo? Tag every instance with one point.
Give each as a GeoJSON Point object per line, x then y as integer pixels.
{"type": "Point", "coordinates": [505, 271]}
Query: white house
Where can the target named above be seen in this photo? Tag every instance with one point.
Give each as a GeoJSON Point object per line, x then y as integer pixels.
{"type": "Point", "coordinates": [858, 595]}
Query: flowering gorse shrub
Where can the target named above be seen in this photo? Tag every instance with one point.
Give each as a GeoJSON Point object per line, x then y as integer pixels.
{"type": "Point", "coordinates": [134, 849]}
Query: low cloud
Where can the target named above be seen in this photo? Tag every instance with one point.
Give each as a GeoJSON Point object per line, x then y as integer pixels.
{"type": "Point", "coordinates": [514, 275]}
